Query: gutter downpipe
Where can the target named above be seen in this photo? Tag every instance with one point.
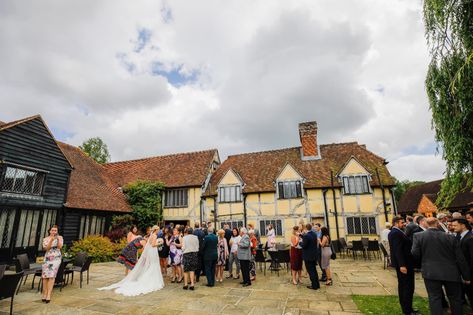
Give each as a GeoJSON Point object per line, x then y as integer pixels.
{"type": "Point", "coordinates": [324, 193]}
{"type": "Point", "coordinates": [244, 211]}
{"type": "Point", "coordinates": [334, 204]}
{"type": "Point", "coordinates": [384, 196]}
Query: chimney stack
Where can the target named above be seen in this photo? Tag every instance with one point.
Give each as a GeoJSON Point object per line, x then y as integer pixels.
{"type": "Point", "coordinates": [308, 136]}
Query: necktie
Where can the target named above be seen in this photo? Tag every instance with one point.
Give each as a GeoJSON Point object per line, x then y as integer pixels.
{"type": "Point", "coordinates": [458, 237]}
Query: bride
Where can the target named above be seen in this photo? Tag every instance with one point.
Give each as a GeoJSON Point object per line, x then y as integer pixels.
{"type": "Point", "coordinates": [146, 276]}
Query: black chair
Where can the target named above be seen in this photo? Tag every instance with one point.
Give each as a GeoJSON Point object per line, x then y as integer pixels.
{"type": "Point", "coordinates": [358, 247]}
{"type": "Point", "coordinates": [261, 260]}
{"type": "Point", "coordinates": [336, 246]}
{"type": "Point", "coordinates": [60, 279]}
{"type": "Point", "coordinates": [8, 285]}
{"type": "Point", "coordinates": [81, 265]}
{"type": "Point", "coordinates": [386, 256]}
{"type": "Point", "coordinates": [373, 247]}
{"type": "Point", "coordinates": [2, 270]}
{"type": "Point", "coordinates": [22, 264]}
{"type": "Point", "coordinates": [275, 265]}
{"type": "Point", "coordinates": [365, 241]}
{"type": "Point", "coordinates": [285, 258]}
{"type": "Point", "coordinates": [343, 245]}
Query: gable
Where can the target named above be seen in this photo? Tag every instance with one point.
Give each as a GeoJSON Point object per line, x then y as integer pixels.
{"type": "Point", "coordinates": [353, 167]}
{"type": "Point", "coordinates": [230, 178]}
{"type": "Point", "coordinates": [288, 173]}
{"type": "Point", "coordinates": [426, 205]}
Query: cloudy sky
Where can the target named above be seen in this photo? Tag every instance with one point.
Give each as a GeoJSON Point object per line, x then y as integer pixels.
{"type": "Point", "coordinates": [156, 77]}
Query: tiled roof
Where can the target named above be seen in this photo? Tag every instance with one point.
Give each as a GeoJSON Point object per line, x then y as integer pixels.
{"type": "Point", "coordinates": [411, 198]}
{"type": "Point", "coordinates": [259, 170]}
{"type": "Point", "coordinates": [174, 170]}
{"type": "Point", "coordinates": [90, 187]}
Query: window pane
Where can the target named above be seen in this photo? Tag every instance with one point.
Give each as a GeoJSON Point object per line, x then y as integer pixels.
{"type": "Point", "coordinates": [292, 185]}
{"type": "Point", "coordinates": [298, 189]}
{"type": "Point", "coordinates": [366, 187]}
{"type": "Point", "coordinates": [358, 185]}
{"type": "Point", "coordinates": [278, 227]}
{"type": "Point", "coordinates": [262, 228]}
{"type": "Point", "coordinates": [345, 185]}
{"type": "Point", "coordinates": [281, 189]}
{"type": "Point", "coordinates": [350, 226]}
{"type": "Point", "coordinates": [351, 184]}
{"type": "Point", "coordinates": [372, 225]}
{"type": "Point", "coordinates": [364, 225]}
{"type": "Point", "coordinates": [357, 225]}
{"type": "Point", "coordinates": [287, 191]}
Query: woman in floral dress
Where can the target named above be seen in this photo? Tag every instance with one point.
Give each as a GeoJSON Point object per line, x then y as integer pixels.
{"type": "Point", "coordinates": [129, 255]}
{"type": "Point", "coordinates": [175, 252]}
{"type": "Point", "coordinates": [52, 260]}
{"type": "Point", "coordinates": [222, 251]}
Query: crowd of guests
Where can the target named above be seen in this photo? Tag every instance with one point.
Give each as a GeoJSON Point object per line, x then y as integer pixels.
{"type": "Point", "coordinates": [442, 248]}
{"type": "Point", "coordinates": [202, 250]}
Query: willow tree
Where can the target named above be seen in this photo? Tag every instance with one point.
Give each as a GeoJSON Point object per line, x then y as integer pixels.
{"type": "Point", "coordinates": [449, 84]}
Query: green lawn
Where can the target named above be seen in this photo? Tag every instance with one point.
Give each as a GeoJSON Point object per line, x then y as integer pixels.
{"type": "Point", "coordinates": [387, 304]}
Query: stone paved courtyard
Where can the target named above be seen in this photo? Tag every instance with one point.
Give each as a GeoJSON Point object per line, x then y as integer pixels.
{"type": "Point", "coordinates": [269, 294]}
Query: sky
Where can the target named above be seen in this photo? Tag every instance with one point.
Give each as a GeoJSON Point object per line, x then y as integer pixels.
{"type": "Point", "coordinates": [159, 77]}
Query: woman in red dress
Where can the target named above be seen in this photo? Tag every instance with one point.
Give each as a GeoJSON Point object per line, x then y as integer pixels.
{"type": "Point", "coordinates": [296, 256]}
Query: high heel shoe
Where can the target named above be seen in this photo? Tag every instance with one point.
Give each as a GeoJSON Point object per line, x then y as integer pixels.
{"type": "Point", "coordinates": [180, 280]}
{"type": "Point", "coordinates": [173, 280]}
{"type": "Point", "coordinates": [329, 282]}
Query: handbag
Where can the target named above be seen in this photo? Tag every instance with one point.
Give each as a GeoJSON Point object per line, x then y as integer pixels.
{"type": "Point", "coordinates": [334, 255]}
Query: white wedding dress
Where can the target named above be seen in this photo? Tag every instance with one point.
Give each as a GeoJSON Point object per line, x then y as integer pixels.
{"type": "Point", "coordinates": [145, 277]}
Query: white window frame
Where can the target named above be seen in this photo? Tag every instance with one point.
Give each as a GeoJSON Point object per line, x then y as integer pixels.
{"type": "Point", "coordinates": [358, 184]}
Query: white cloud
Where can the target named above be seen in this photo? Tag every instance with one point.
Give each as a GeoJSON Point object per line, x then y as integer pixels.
{"type": "Point", "coordinates": [261, 67]}
{"type": "Point", "coordinates": [423, 167]}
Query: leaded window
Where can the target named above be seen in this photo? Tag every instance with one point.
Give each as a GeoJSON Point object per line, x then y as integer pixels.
{"type": "Point", "coordinates": [356, 184]}
{"type": "Point", "coordinates": [290, 189]}
{"type": "Point", "coordinates": [361, 225]}
{"type": "Point", "coordinates": [277, 226]}
{"type": "Point", "coordinates": [229, 193]}
{"type": "Point", "coordinates": [22, 181]}
{"type": "Point", "coordinates": [175, 198]}
{"type": "Point", "coordinates": [232, 224]}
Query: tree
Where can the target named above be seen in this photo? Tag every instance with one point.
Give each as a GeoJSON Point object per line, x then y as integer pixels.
{"type": "Point", "coordinates": [144, 198]}
{"type": "Point", "coordinates": [96, 149]}
{"type": "Point", "coordinates": [449, 85]}
{"type": "Point", "coordinates": [402, 186]}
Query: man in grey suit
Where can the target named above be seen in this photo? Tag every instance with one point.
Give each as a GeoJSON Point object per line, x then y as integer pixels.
{"type": "Point", "coordinates": [244, 255]}
{"type": "Point", "coordinates": [443, 264]}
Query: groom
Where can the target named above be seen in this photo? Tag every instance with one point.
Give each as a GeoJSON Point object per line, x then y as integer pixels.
{"type": "Point", "coordinates": [209, 254]}
{"type": "Point", "coordinates": [310, 252]}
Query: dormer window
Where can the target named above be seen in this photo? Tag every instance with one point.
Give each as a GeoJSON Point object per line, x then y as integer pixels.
{"type": "Point", "coordinates": [290, 189]}
{"type": "Point", "coordinates": [21, 180]}
{"type": "Point", "coordinates": [356, 184]}
{"type": "Point", "coordinates": [230, 193]}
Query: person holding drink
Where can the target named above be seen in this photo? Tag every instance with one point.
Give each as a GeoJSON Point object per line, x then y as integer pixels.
{"type": "Point", "coordinates": [52, 260]}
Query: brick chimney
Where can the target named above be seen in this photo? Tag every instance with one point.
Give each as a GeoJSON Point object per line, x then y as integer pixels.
{"type": "Point", "coordinates": [308, 136]}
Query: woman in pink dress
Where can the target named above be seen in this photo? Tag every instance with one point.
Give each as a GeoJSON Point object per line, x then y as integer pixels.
{"type": "Point", "coordinates": [52, 260]}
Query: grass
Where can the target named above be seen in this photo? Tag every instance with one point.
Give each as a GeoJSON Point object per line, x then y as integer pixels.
{"type": "Point", "coordinates": [387, 304]}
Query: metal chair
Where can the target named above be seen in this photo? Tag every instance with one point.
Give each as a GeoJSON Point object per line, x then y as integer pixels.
{"type": "Point", "coordinates": [285, 258]}
{"type": "Point", "coordinates": [2, 270]}
{"type": "Point", "coordinates": [275, 265]}
{"type": "Point", "coordinates": [386, 256]}
{"type": "Point", "coordinates": [81, 265]}
{"type": "Point", "coordinates": [343, 245]}
{"type": "Point", "coordinates": [365, 241]}
{"type": "Point", "coordinates": [373, 247]}
{"type": "Point", "coordinates": [260, 259]}
{"type": "Point", "coordinates": [8, 286]}
{"type": "Point", "coordinates": [60, 279]}
{"type": "Point", "coordinates": [22, 264]}
{"type": "Point", "coordinates": [358, 247]}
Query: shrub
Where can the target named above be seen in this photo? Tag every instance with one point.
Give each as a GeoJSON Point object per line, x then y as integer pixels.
{"type": "Point", "coordinates": [116, 235]}
{"type": "Point", "coordinates": [124, 221]}
{"type": "Point", "coordinates": [100, 248]}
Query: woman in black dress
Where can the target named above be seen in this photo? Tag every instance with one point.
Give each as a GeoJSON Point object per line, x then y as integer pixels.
{"type": "Point", "coordinates": [163, 250]}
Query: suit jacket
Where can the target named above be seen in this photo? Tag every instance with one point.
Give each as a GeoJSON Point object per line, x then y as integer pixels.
{"type": "Point", "coordinates": [410, 228]}
{"type": "Point", "coordinates": [466, 245]}
{"type": "Point", "coordinates": [228, 236]}
{"type": "Point", "coordinates": [310, 246]}
{"type": "Point", "coordinates": [400, 246]}
{"type": "Point", "coordinates": [442, 258]}
{"type": "Point", "coordinates": [244, 250]}
{"type": "Point", "coordinates": [209, 247]}
{"type": "Point", "coordinates": [200, 235]}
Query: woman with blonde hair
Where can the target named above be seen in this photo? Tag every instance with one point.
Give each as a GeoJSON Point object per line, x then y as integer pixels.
{"type": "Point", "coordinates": [222, 255]}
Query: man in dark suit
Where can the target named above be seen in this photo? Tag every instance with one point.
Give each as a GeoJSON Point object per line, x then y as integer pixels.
{"type": "Point", "coordinates": [463, 230]}
{"type": "Point", "coordinates": [209, 254]}
{"type": "Point", "coordinates": [200, 236]}
{"type": "Point", "coordinates": [443, 264]}
{"type": "Point", "coordinates": [411, 226]}
{"type": "Point", "coordinates": [310, 250]}
{"type": "Point", "coordinates": [401, 259]}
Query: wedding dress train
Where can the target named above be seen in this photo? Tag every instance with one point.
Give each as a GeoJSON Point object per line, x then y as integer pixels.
{"type": "Point", "coordinates": [145, 277]}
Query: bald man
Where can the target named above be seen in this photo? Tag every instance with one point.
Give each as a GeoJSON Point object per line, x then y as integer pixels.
{"type": "Point", "coordinates": [443, 265]}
